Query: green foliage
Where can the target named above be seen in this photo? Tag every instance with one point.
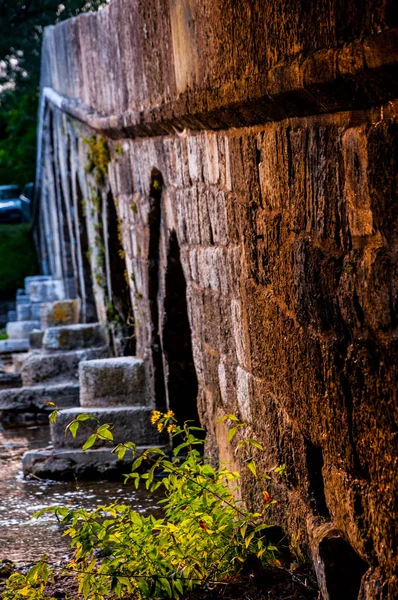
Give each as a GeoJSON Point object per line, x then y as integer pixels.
{"type": "Point", "coordinates": [205, 533]}
{"type": "Point", "coordinates": [22, 24]}
{"type": "Point", "coordinates": [17, 258]}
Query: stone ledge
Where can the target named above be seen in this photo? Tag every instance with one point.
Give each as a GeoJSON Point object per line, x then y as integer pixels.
{"type": "Point", "coordinates": [354, 76]}
{"type": "Point", "coordinates": [65, 465]}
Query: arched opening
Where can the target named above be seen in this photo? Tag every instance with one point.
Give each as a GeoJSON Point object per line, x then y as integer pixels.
{"type": "Point", "coordinates": [181, 381]}
{"type": "Point", "coordinates": [119, 308]}
{"type": "Point", "coordinates": [154, 222]}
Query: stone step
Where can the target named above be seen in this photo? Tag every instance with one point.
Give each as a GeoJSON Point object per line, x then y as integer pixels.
{"type": "Point", "coordinates": [113, 382]}
{"type": "Point", "coordinates": [17, 403]}
{"type": "Point", "coordinates": [67, 464]}
{"type": "Point", "coordinates": [24, 312]}
{"type": "Point", "coordinates": [130, 423]}
{"type": "Point", "coordinates": [22, 299]}
{"type": "Point", "coordinates": [10, 380]}
{"type": "Point", "coordinates": [39, 367]}
{"type": "Point", "coordinates": [74, 337]}
{"type": "Point", "coordinates": [12, 316]}
{"type": "Point", "coordinates": [62, 312]}
{"type": "Point", "coordinates": [19, 330]}
{"type": "Point", "coordinates": [46, 291]}
{"type": "Point", "coordinates": [33, 279]}
{"type": "Point", "coordinates": [11, 346]}
{"type": "Point", "coordinates": [36, 339]}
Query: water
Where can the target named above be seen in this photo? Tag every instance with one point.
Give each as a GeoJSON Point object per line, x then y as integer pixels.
{"type": "Point", "coordinates": [23, 540]}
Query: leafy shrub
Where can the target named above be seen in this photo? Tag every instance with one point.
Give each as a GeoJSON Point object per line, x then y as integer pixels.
{"type": "Point", "coordinates": [203, 536]}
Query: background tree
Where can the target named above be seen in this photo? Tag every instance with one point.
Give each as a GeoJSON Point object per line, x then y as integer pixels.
{"type": "Point", "coordinates": [21, 24]}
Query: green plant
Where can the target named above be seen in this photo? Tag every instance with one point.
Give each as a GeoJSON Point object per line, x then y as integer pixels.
{"type": "Point", "coordinates": [98, 158]}
{"type": "Point", "coordinates": [3, 334]}
{"type": "Point", "coordinates": [205, 533]}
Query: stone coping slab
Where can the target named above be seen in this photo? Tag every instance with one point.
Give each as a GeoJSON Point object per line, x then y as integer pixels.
{"type": "Point", "coordinates": [113, 382]}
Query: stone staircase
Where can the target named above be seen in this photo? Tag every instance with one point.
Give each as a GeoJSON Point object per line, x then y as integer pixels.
{"type": "Point", "coordinates": [113, 390]}
{"type": "Point", "coordinates": [48, 327]}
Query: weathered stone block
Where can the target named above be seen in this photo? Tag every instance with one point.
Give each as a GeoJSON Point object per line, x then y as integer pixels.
{"type": "Point", "coordinates": [36, 339]}
{"type": "Point", "coordinates": [22, 299]}
{"type": "Point", "coordinates": [130, 423]}
{"type": "Point", "coordinates": [46, 291]}
{"type": "Point", "coordinates": [24, 312]}
{"type": "Point", "coordinates": [67, 464]}
{"type": "Point", "coordinates": [40, 367]}
{"type": "Point", "coordinates": [36, 398]}
{"type": "Point", "coordinates": [63, 312]}
{"type": "Point", "coordinates": [10, 380]}
{"type": "Point", "coordinates": [19, 330]}
{"type": "Point", "coordinates": [12, 316]}
{"type": "Point", "coordinates": [33, 279]}
{"type": "Point", "coordinates": [113, 382]}
{"type": "Point", "coordinates": [74, 337]}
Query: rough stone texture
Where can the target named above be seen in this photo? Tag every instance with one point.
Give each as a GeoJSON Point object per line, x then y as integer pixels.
{"type": "Point", "coordinates": [45, 291]}
{"type": "Point", "coordinates": [10, 346]}
{"type": "Point", "coordinates": [19, 330]}
{"type": "Point", "coordinates": [10, 380]}
{"type": "Point", "coordinates": [32, 279]}
{"type": "Point", "coordinates": [66, 465]}
{"type": "Point", "coordinates": [74, 337]}
{"type": "Point", "coordinates": [40, 367]}
{"type": "Point", "coordinates": [65, 312]}
{"type": "Point", "coordinates": [113, 382]}
{"type": "Point", "coordinates": [36, 339]}
{"type": "Point", "coordinates": [12, 315]}
{"type": "Point", "coordinates": [130, 423]}
{"type": "Point", "coordinates": [253, 156]}
{"type": "Point", "coordinates": [34, 399]}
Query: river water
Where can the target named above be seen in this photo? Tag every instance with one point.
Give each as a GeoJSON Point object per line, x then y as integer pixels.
{"type": "Point", "coordinates": [24, 540]}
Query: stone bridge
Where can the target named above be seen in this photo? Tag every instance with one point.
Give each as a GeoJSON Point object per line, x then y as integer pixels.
{"type": "Point", "coordinates": [217, 186]}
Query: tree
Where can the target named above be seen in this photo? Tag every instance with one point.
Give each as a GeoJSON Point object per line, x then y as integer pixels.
{"type": "Point", "coordinates": [22, 23]}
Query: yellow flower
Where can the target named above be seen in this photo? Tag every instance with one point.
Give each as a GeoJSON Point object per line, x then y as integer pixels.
{"type": "Point", "coordinates": [171, 428]}
{"type": "Point", "coordinates": [169, 414]}
{"type": "Point", "coordinates": [160, 427]}
{"type": "Point", "coordinates": [155, 416]}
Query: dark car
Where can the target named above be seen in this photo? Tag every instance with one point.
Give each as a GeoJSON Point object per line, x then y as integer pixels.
{"type": "Point", "coordinates": [14, 208]}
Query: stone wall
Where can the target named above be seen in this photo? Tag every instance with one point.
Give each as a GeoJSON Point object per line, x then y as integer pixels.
{"type": "Point", "coordinates": [247, 198]}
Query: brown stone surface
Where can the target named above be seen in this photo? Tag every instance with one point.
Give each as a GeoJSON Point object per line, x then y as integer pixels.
{"type": "Point", "coordinates": [263, 238]}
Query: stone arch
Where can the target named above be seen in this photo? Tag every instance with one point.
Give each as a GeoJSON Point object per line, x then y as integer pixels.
{"type": "Point", "coordinates": [180, 374]}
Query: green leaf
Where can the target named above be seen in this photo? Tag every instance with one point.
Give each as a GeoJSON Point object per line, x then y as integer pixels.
{"type": "Point", "coordinates": [254, 443]}
{"type": "Point", "coordinates": [53, 417]}
{"type": "Point", "coordinates": [73, 427]}
{"type": "Point", "coordinates": [251, 465]}
{"type": "Point", "coordinates": [230, 417]}
{"type": "Point", "coordinates": [90, 442]}
{"type": "Point", "coordinates": [231, 433]}
{"type": "Point", "coordinates": [104, 433]}
{"type": "Point", "coordinates": [121, 452]}
{"type": "Point", "coordinates": [85, 417]}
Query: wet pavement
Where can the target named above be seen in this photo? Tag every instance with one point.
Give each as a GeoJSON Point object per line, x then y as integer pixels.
{"type": "Point", "coordinates": [24, 540]}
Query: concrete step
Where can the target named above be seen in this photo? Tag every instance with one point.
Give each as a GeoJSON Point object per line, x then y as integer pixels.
{"type": "Point", "coordinates": [130, 423]}
{"type": "Point", "coordinates": [39, 367]}
{"type": "Point", "coordinates": [10, 380]}
{"type": "Point", "coordinates": [11, 346]}
{"type": "Point", "coordinates": [19, 330]}
{"type": "Point", "coordinates": [45, 291]}
{"type": "Point", "coordinates": [113, 382]}
{"type": "Point", "coordinates": [62, 312]}
{"type": "Point", "coordinates": [67, 464]}
{"type": "Point", "coordinates": [16, 404]}
{"type": "Point", "coordinates": [74, 337]}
